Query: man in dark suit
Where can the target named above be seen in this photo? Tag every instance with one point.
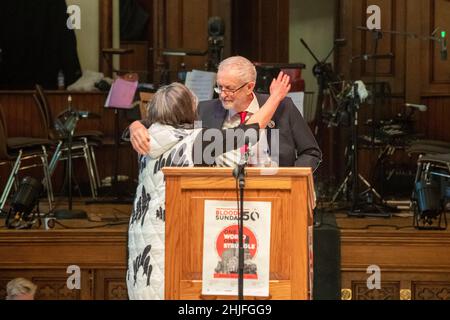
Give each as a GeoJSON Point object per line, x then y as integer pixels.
{"type": "Point", "coordinates": [236, 80]}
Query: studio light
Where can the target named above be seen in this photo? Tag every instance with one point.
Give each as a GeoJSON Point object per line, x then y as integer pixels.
{"type": "Point", "coordinates": [23, 203]}
{"type": "Point", "coordinates": [431, 196]}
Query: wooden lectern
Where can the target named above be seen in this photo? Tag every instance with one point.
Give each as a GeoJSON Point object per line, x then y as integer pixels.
{"type": "Point", "coordinates": [291, 192]}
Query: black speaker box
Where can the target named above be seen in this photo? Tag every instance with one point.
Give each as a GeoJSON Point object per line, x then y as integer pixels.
{"type": "Point", "coordinates": [327, 258]}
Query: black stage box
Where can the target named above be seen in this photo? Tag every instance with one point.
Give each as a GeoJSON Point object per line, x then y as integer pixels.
{"type": "Point", "coordinates": [327, 258]}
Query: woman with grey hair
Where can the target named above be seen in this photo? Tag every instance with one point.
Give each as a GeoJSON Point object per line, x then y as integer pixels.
{"type": "Point", "coordinates": [20, 289]}
{"type": "Point", "coordinates": [174, 140]}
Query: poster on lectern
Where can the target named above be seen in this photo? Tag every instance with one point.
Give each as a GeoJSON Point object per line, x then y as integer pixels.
{"type": "Point", "coordinates": [221, 248]}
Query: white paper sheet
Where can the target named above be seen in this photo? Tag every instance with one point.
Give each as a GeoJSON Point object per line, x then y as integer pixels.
{"type": "Point", "coordinates": [201, 84]}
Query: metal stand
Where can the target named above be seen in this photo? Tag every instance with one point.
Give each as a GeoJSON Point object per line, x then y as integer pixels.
{"type": "Point", "coordinates": [115, 197]}
{"type": "Point", "coordinates": [239, 174]}
{"type": "Point", "coordinates": [323, 71]}
{"type": "Point", "coordinates": [362, 203]}
{"type": "Point", "coordinates": [70, 125]}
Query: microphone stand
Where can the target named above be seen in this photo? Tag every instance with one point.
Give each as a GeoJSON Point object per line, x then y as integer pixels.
{"type": "Point", "coordinates": [239, 173]}
{"type": "Point", "coordinates": [70, 213]}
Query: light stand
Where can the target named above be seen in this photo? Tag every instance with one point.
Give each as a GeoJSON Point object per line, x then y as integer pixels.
{"type": "Point", "coordinates": [69, 129]}
{"type": "Point", "coordinates": [366, 207]}
{"type": "Point", "coordinates": [361, 206]}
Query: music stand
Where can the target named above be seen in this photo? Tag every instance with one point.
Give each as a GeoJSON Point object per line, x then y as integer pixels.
{"type": "Point", "coordinates": [120, 98]}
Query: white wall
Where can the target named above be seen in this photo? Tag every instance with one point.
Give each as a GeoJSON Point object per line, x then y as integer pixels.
{"type": "Point", "coordinates": [88, 36]}
{"type": "Point", "coordinates": [312, 20]}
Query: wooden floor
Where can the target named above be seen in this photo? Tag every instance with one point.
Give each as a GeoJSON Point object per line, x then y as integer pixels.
{"type": "Point", "coordinates": [414, 264]}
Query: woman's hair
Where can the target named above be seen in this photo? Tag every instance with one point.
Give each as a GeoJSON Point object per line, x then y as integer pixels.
{"type": "Point", "coordinates": [19, 286]}
{"type": "Point", "coordinates": [174, 105]}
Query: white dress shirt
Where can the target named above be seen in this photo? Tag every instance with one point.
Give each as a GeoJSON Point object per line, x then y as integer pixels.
{"type": "Point", "coordinates": [259, 153]}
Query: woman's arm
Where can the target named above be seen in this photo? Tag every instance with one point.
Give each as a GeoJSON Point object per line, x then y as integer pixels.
{"type": "Point", "coordinates": [278, 91]}
{"type": "Point", "coordinates": [139, 137]}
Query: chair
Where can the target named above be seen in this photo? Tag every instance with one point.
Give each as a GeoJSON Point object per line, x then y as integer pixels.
{"type": "Point", "coordinates": [145, 97]}
{"type": "Point", "coordinates": [15, 151]}
{"type": "Point", "coordinates": [82, 146]}
{"type": "Point", "coordinates": [422, 147]}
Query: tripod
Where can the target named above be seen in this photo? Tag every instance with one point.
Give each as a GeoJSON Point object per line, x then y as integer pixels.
{"type": "Point", "coordinates": [326, 114]}
{"type": "Point", "coordinates": [323, 71]}
{"type": "Point", "coordinates": [363, 203]}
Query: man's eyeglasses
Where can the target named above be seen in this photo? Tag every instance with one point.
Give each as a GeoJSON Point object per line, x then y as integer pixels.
{"type": "Point", "coordinates": [220, 90]}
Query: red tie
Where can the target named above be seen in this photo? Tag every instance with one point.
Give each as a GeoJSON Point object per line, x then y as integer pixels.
{"type": "Point", "coordinates": [243, 116]}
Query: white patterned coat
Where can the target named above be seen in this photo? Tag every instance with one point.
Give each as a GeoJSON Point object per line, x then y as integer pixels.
{"type": "Point", "coordinates": [170, 147]}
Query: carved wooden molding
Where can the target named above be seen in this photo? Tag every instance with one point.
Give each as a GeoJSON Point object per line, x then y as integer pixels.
{"type": "Point", "coordinates": [388, 291]}
{"type": "Point", "coordinates": [431, 291]}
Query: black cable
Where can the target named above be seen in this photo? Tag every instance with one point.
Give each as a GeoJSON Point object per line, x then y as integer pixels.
{"type": "Point", "coordinates": [91, 227]}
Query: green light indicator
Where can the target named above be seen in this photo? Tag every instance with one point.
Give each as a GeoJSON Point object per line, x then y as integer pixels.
{"type": "Point", "coordinates": [443, 34]}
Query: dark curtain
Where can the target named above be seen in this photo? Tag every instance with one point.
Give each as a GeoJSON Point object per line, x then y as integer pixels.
{"type": "Point", "coordinates": [36, 44]}
{"type": "Point", "coordinates": [133, 21]}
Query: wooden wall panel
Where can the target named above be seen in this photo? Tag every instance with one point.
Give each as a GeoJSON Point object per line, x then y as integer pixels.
{"type": "Point", "coordinates": [352, 14]}
{"type": "Point", "coordinates": [44, 257]}
{"type": "Point", "coordinates": [385, 68]}
{"type": "Point", "coordinates": [414, 264]}
{"type": "Point", "coordinates": [23, 120]}
{"type": "Point", "coordinates": [436, 121]}
{"type": "Point", "coordinates": [417, 69]}
{"type": "Point", "coordinates": [261, 30]}
{"type": "Point", "coordinates": [436, 72]}
{"type": "Point", "coordinates": [416, 74]}
{"type": "Point", "coordinates": [138, 61]}
{"type": "Point", "coordinates": [185, 26]}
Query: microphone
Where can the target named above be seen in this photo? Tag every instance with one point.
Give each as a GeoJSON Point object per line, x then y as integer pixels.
{"type": "Point", "coordinates": [420, 107]}
{"type": "Point", "coordinates": [248, 150]}
{"type": "Point", "coordinates": [239, 171]}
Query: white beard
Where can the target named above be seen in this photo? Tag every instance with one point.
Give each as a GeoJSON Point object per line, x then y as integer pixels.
{"type": "Point", "coordinates": [227, 106]}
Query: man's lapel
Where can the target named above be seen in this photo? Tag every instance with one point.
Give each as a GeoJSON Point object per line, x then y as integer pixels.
{"type": "Point", "coordinates": [262, 99]}
{"type": "Point", "coordinates": [220, 114]}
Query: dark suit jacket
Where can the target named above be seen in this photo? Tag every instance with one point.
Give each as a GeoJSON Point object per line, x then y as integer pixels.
{"type": "Point", "coordinates": [297, 145]}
